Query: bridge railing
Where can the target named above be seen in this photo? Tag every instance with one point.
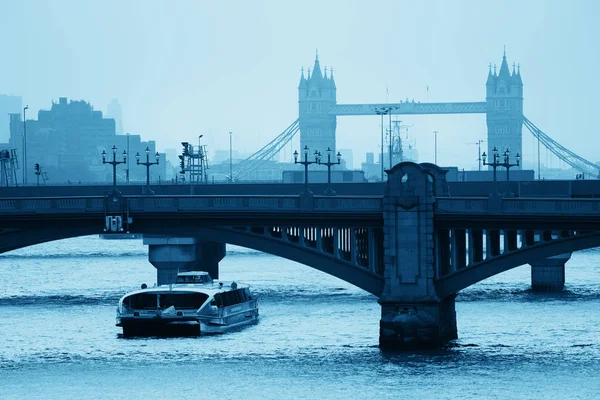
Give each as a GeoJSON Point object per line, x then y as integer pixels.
{"type": "Point", "coordinates": [517, 206]}
{"type": "Point", "coordinates": [232, 203]}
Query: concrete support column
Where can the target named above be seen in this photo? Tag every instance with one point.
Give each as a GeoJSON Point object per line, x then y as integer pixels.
{"type": "Point", "coordinates": [412, 315]}
{"type": "Point", "coordinates": [172, 255]}
{"type": "Point", "coordinates": [548, 275]}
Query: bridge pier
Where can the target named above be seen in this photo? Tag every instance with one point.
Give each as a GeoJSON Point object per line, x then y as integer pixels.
{"type": "Point", "coordinates": [171, 255]}
{"type": "Point", "coordinates": [411, 325]}
{"type": "Point", "coordinates": [548, 275]}
{"type": "Point", "coordinates": [412, 315]}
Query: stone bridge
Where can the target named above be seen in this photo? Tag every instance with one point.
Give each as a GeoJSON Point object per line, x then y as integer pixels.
{"type": "Point", "coordinates": [409, 242]}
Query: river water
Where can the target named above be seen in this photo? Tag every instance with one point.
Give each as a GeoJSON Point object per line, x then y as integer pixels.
{"type": "Point", "coordinates": [317, 336]}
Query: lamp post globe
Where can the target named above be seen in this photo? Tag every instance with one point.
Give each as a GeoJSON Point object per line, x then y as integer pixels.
{"type": "Point", "coordinates": [147, 164]}
{"type": "Point", "coordinates": [114, 162]}
{"type": "Point", "coordinates": [329, 164]}
{"type": "Point", "coordinates": [306, 163]}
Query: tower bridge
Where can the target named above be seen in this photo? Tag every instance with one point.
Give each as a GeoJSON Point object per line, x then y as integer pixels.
{"type": "Point", "coordinates": [318, 111]}
{"type": "Point", "coordinates": [410, 241]}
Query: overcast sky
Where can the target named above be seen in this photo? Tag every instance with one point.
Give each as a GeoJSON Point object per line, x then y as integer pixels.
{"type": "Point", "coordinates": [183, 68]}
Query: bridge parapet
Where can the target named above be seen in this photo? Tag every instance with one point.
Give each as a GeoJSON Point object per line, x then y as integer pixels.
{"type": "Point", "coordinates": [517, 206]}
{"type": "Point", "coordinates": [208, 204]}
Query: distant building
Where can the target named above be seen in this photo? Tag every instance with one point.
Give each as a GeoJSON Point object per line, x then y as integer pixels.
{"type": "Point", "coordinates": [223, 155]}
{"type": "Point", "coordinates": [67, 141]}
{"type": "Point", "coordinates": [347, 157]}
{"type": "Point", "coordinates": [8, 105]}
{"type": "Point", "coordinates": [371, 169]}
{"type": "Point", "coordinates": [115, 112]}
{"type": "Point", "coordinates": [172, 156]}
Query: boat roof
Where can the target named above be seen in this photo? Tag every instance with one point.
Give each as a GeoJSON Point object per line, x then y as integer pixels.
{"type": "Point", "coordinates": [208, 288]}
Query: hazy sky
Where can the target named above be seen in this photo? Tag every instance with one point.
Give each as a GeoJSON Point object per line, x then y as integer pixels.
{"type": "Point", "coordinates": [183, 68]}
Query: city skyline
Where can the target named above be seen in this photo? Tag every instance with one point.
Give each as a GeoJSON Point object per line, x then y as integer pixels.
{"type": "Point", "coordinates": [192, 77]}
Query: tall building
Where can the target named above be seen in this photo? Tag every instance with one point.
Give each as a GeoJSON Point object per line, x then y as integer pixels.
{"type": "Point", "coordinates": [504, 97]}
{"type": "Point", "coordinates": [67, 141]}
{"type": "Point", "coordinates": [316, 95]}
{"type": "Point", "coordinates": [115, 112]}
{"type": "Point", "coordinates": [8, 105]}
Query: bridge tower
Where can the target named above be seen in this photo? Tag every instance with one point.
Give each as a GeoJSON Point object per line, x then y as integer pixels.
{"type": "Point", "coordinates": [504, 98]}
{"type": "Point", "coordinates": [316, 96]}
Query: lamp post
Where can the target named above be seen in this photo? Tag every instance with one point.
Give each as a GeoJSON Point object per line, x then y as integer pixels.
{"type": "Point", "coordinates": [382, 111]}
{"type": "Point", "coordinates": [127, 170]}
{"type": "Point", "coordinates": [329, 164]}
{"type": "Point", "coordinates": [25, 145]}
{"type": "Point", "coordinates": [114, 162]}
{"type": "Point", "coordinates": [494, 164]}
{"type": "Point", "coordinates": [230, 159]}
{"type": "Point", "coordinates": [507, 164]}
{"type": "Point", "coordinates": [435, 147]}
{"type": "Point", "coordinates": [306, 163]}
{"type": "Point", "coordinates": [479, 153]}
{"type": "Point", "coordinates": [147, 163]}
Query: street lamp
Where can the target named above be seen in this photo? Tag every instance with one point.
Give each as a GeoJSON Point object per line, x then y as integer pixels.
{"type": "Point", "coordinates": [382, 111]}
{"type": "Point", "coordinates": [147, 163]}
{"type": "Point", "coordinates": [230, 159]}
{"type": "Point", "coordinates": [114, 162]}
{"type": "Point", "coordinates": [494, 164]}
{"type": "Point", "coordinates": [25, 145]}
{"type": "Point", "coordinates": [507, 164]}
{"type": "Point", "coordinates": [127, 170]}
{"type": "Point", "coordinates": [306, 163]}
{"type": "Point", "coordinates": [329, 164]}
{"type": "Point", "coordinates": [478, 143]}
{"type": "Point", "coordinates": [435, 147]}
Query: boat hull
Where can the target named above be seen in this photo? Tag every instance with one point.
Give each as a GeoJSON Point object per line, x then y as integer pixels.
{"type": "Point", "coordinates": [226, 319]}
{"type": "Point", "coordinates": [133, 328]}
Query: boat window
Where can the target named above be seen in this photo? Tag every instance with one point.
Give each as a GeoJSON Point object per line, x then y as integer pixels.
{"type": "Point", "coordinates": [141, 301]}
{"type": "Point", "coordinates": [183, 300]}
{"type": "Point", "coordinates": [192, 279]}
{"type": "Point", "coordinates": [232, 297]}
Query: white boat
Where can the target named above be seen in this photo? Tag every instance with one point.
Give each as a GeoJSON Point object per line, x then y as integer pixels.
{"type": "Point", "coordinates": [193, 305]}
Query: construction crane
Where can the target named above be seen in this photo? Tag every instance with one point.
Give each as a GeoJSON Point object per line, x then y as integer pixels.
{"type": "Point", "coordinates": [577, 162]}
{"type": "Point", "coordinates": [478, 143]}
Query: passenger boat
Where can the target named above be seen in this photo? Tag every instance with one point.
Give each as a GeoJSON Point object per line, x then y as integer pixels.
{"type": "Point", "coordinates": [193, 305]}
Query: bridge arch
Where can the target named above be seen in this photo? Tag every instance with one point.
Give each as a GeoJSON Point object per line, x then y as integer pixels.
{"type": "Point", "coordinates": [358, 276]}
{"type": "Point", "coordinates": [463, 278]}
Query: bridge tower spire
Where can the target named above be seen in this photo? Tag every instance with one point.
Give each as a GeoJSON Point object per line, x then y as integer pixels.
{"type": "Point", "coordinates": [316, 96]}
{"type": "Point", "coordinates": [504, 98]}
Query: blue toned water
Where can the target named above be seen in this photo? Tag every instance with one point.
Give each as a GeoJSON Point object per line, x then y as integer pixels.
{"type": "Point", "coordinates": [317, 336]}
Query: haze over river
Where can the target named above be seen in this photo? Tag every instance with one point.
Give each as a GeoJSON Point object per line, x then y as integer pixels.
{"type": "Point", "coordinates": [317, 336]}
